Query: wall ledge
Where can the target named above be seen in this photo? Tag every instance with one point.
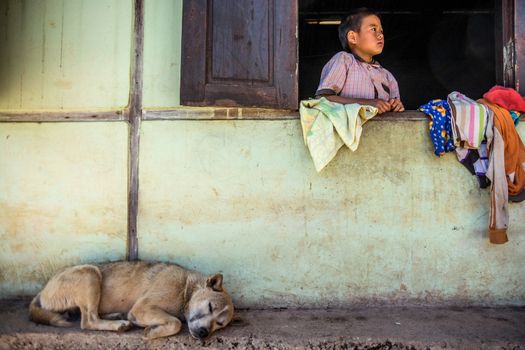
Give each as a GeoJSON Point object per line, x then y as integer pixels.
{"type": "Point", "coordinates": [63, 116]}
{"type": "Point", "coordinates": [238, 113]}
{"type": "Point", "coordinates": [180, 113]}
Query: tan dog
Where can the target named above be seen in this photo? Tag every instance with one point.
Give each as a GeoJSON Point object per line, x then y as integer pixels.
{"type": "Point", "coordinates": [157, 296]}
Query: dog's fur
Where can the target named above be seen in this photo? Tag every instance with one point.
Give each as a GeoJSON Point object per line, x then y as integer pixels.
{"type": "Point", "coordinates": [157, 296]}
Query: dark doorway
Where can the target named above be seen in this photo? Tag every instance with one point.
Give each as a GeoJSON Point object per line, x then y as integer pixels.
{"type": "Point", "coordinates": [431, 47]}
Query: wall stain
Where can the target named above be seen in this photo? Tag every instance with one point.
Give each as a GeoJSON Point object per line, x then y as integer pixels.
{"type": "Point", "coordinates": [17, 219]}
{"type": "Point", "coordinates": [63, 84]}
{"type": "Point", "coordinates": [21, 220]}
{"type": "Point", "coordinates": [231, 208]}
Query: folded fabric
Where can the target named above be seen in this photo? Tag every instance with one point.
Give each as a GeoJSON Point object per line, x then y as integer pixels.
{"type": "Point", "coordinates": [328, 125]}
{"type": "Point", "coordinates": [476, 161]}
{"type": "Point", "coordinates": [469, 120]}
{"type": "Point", "coordinates": [440, 128]}
{"type": "Point", "coordinates": [507, 98]}
{"type": "Point", "coordinates": [506, 171]}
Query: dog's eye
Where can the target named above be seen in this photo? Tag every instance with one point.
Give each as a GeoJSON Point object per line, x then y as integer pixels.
{"type": "Point", "coordinates": [220, 324]}
{"type": "Point", "coordinates": [211, 309]}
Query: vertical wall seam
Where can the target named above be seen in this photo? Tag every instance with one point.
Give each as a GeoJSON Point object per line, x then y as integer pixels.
{"type": "Point", "coordinates": [135, 116]}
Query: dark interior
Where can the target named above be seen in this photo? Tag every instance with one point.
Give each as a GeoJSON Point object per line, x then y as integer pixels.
{"type": "Point", "coordinates": [431, 47]}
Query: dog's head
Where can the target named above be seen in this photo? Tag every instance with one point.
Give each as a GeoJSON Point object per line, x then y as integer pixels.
{"type": "Point", "coordinates": [210, 308]}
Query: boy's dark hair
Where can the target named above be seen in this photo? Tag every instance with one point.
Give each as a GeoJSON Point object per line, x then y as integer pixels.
{"type": "Point", "coordinates": [353, 23]}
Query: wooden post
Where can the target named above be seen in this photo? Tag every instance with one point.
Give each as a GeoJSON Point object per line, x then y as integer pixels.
{"type": "Point", "coordinates": [519, 47]}
{"type": "Point", "coordinates": [504, 31]}
{"type": "Point", "coordinates": [134, 117]}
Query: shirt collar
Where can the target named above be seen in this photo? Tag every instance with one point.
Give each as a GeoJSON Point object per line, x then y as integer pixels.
{"type": "Point", "coordinates": [374, 63]}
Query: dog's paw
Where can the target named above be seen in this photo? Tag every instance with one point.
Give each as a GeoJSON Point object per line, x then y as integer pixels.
{"type": "Point", "coordinates": [124, 326]}
{"type": "Point", "coordinates": [150, 333]}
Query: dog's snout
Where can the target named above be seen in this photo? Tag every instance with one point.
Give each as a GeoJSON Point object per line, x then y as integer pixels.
{"type": "Point", "coordinates": [202, 333]}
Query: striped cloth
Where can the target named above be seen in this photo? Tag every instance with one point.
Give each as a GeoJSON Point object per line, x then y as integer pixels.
{"type": "Point", "coordinates": [347, 76]}
{"type": "Point", "coordinates": [469, 120]}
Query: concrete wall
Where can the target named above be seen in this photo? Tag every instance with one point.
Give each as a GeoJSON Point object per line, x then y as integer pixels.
{"type": "Point", "coordinates": [389, 223]}
{"type": "Point", "coordinates": [63, 199]}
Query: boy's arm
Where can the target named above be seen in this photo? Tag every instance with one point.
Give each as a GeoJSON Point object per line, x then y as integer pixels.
{"type": "Point", "coordinates": [395, 98]}
{"type": "Point", "coordinates": [381, 105]}
{"type": "Point", "coordinates": [334, 74]}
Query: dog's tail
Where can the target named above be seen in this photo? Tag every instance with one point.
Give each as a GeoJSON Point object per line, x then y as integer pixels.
{"type": "Point", "coordinates": [40, 315]}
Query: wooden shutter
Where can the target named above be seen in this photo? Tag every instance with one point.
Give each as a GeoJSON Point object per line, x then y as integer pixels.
{"type": "Point", "coordinates": [239, 53]}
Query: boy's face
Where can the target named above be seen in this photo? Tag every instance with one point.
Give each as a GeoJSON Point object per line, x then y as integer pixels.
{"type": "Point", "coordinates": [369, 41]}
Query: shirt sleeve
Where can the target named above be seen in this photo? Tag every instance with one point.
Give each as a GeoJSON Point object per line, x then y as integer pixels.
{"type": "Point", "coordinates": [394, 87]}
{"type": "Point", "coordinates": [333, 76]}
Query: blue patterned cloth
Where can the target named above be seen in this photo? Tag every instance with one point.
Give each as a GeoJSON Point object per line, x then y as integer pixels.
{"type": "Point", "coordinates": [515, 117]}
{"type": "Point", "coordinates": [440, 127]}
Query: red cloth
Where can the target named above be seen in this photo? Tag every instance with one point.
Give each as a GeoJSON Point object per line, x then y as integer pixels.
{"type": "Point", "coordinates": [507, 98]}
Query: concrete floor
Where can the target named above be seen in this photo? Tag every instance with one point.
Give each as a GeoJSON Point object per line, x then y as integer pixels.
{"type": "Point", "coordinates": [356, 328]}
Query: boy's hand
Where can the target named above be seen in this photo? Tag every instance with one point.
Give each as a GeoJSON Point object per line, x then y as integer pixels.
{"type": "Point", "coordinates": [381, 105]}
{"type": "Point", "coordinates": [396, 105]}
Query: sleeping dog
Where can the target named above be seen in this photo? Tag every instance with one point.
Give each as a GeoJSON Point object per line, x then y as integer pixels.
{"type": "Point", "coordinates": [115, 296]}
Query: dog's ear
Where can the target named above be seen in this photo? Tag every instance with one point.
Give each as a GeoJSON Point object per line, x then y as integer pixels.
{"type": "Point", "coordinates": [215, 282]}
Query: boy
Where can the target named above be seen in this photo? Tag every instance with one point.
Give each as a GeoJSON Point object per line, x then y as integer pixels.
{"type": "Point", "coordinates": [353, 76]}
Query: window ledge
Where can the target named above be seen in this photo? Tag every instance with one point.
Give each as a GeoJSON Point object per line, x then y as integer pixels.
{"type": "Point", "coordinates": [218, 113]}
{"type": "Point", "coordinates": [406, 115]}
{"type": "Point", "coordinates": [238, 113]}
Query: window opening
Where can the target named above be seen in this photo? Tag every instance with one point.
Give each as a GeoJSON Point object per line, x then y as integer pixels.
{"type": "Point", "coordinates": [431, 47]}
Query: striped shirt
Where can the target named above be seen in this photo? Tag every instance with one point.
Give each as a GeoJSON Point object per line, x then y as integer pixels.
{"type": "Point", "coordinates": [469, 120]}
{"type": "Point", "coordinates": [346, 76]}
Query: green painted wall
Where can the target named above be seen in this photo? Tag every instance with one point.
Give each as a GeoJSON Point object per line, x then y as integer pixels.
{"type": "Point", "coordinates": [388, 223]}
{"type": "Point", "coordinates": [63, 199]}
{"type": "Point", "coordinates": [162, 52]}
{"type": "Point", "coordinates": [64, 54]}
